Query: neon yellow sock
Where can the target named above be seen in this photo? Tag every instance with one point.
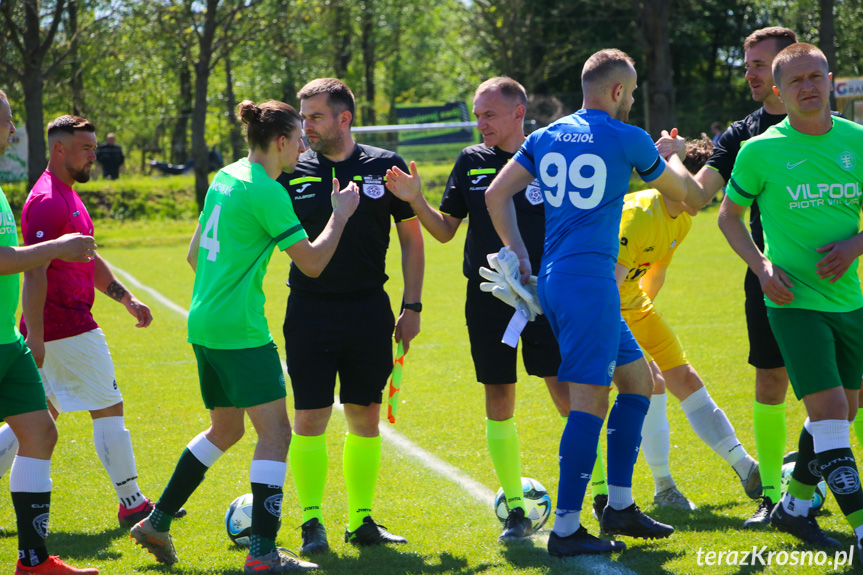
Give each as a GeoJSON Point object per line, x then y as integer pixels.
{"type": "Point", "coordinates": [768, 422]}
{"type": "Point", "coordinates": [362, 460]}
{"type": "Point", "coordinates": [598, 485]}
{"type": "Point", "coordinates": [309, 462]}
{"type": "Point", "coordinates": [505, 454]}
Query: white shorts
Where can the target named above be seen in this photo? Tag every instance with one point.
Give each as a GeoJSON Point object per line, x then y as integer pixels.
{"type": "Point", "coordinates": [78, 373]}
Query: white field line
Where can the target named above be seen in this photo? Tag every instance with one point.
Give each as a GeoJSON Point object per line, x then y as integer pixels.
{"type": "Point", "coordinates": [591, 564]}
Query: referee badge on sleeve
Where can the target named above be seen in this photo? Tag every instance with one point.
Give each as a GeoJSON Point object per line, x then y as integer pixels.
{"type": "Point", "coordinates": [373, 186]}
{"type": "Point", "coordinates": [533, 193]}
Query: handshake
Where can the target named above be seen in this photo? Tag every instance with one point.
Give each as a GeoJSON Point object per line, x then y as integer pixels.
{"type": "Point", "coordinates": [504, 282]}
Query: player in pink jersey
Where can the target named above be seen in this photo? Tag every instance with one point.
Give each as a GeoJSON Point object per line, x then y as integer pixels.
{"type": "Point", "coordinates": [67, 344]}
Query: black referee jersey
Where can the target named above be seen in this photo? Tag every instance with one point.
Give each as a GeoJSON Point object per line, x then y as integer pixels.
{"type": "Point", "coordinates": [464, 196]}
{"type": "Point", "coordinates": [359, 261]}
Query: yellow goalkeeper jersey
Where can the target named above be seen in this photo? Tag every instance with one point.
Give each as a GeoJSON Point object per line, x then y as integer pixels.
{"type": "Point", "coordinates": [648, 235]}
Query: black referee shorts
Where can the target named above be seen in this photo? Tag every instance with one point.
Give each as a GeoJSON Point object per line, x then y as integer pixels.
{"type": "Point", "coordinates": [495, 362]}
{"type": "Point", "coordinates": [763, 350]}
{"type": "Point", "coordinates": [346, 335]}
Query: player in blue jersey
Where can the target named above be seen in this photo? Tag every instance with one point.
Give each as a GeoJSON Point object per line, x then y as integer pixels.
{"type": "Point", "coordinates": [583, 163]}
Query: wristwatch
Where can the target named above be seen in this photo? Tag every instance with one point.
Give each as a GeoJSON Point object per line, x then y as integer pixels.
{"type": "Point", "coordinates": [417, 307]}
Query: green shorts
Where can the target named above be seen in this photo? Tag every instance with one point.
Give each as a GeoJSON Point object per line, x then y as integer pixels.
{"type": "Point", "coordinates": [239, 377]}
{"type": "Point", "coordinates": [821, 349]}
{"type": "Point", "coordinates": [21, 388]}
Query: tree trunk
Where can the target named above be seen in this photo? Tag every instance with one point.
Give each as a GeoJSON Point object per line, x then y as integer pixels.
{"type": "Point", "coordinates": [343, 40]}
{"type": "Point", "coordinates": [76, 82]}
{"type": "Point", "coordinates": [367, 33]}
{"type": "Point", "coordinates": [238, 146]}
{"type": "Point", "coordinates": [827, 39]}
{"type": "Point", "coordinates": [654, 17]}
{"type": "Point", "coordinates": [199, 113]}
{"type": "Point", "coordinates": [33, 86]}
{"type": "Point", "coordinates": [179, 137]}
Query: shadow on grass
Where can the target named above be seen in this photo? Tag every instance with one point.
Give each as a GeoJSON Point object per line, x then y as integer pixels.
{"type": "Point", "coordinates": [705, 518]}
{"type": "Point", "coordinates": [85, 546]}
{"type": "Point", "coordinates": [371, 560]}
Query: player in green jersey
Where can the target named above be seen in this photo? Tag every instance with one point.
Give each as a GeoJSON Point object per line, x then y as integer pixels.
{"type": "Point", "coordinates": [806, 174]}
{"type": "Point", "coordinates": [246, 214]}
{"type": "Point", "coordinates": [22, 397]}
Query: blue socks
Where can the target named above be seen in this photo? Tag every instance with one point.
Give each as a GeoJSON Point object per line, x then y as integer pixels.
{"type": "Point", "coordinates": [577, 456]}
{"type": "Point", "coordinates": [624, 437]}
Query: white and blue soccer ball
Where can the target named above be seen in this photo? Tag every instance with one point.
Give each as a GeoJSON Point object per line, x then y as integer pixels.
{"type": "Point", "coordinates": [818, 497]}
{"type": "Point", "coordinates": [537, 503]}
{"type": "Point", "coordinates": [238, 520]}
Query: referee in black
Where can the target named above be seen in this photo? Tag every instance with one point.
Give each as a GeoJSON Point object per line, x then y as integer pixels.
{"type": "Point", "coordinates": [341, 322]}
{"type": "Point", "coordinates": [499, 105]}
{"type": "Point", "coordinates": [771, 377]}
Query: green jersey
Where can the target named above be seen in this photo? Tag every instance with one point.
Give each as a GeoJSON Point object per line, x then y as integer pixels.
{"type": "Point", "coordinates": [9, 283]}
{"type": "Point", "coordinates": [246, 214]}
{"type": "Point", "coordinates": [808, 189]}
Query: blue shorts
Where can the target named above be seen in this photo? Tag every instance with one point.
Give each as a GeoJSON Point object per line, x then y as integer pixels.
{"type": "Point", "coordinates": [584, 313]}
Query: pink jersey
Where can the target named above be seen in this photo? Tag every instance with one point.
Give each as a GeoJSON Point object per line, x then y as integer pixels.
{"type": "Point", "coordinates": [51, 210]}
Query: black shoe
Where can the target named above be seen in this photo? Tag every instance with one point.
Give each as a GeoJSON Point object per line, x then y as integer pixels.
{"type": "Point", "coordinates": [804, 528]}
{"type": "Point", "coordinates": [517, 526]}
{"type": "Point", "coordinates": [599, 504]}
{"type": "Point", "coordinates": [314, 537]}
{"type": "Point", "coordinates": [761, 517]}
{"type": "Point", "coordinates": [581, 543]}
{"type": "Point", "coordinates": [370, 533]}
{"type": "Point", "coordinates": [634, 523]}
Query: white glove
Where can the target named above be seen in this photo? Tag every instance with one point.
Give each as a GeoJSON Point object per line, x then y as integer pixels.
{"type": "Point", "coordinates": [505, 283]}
{"type": "Point", "coordinates": [497, 284]}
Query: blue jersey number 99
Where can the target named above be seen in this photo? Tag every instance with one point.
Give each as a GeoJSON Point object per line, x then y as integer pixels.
{"type": "Point", "coordinates": [556, 175]}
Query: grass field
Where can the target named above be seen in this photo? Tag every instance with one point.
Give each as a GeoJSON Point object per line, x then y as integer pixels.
{"type": "Point", "coordinates": [451, 529]}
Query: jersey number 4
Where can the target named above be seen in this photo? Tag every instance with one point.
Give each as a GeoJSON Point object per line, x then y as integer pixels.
{"type": "Point", "coordinates": [208, 242]}
{"type": "Point", "coordinates": [556, 174]}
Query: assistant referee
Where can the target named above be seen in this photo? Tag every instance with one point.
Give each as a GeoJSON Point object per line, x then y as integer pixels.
{"type": "Point", "coordinates": [341, 322]}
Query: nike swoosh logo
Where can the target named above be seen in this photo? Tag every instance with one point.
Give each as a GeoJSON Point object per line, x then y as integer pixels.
{"type": "Point", "coordinates": [791, 166]}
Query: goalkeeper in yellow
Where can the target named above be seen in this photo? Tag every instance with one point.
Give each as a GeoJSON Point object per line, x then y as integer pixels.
{"type": "Point", "coordinates": [651, 229]}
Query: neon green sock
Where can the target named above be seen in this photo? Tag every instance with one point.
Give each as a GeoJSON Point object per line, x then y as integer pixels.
{"type": "Point", "coordinates": [505, 452]}
{"type": "Point", "coordinates": [309, 462]}
{"type": "Point", "coordinates": [598, 485]}
{"type": "Point", "coordinates": [858, 429]}
{"type": "Point", "coordinates": [768, 422]}
{"type": "Point", "coordinates": [361, 462]}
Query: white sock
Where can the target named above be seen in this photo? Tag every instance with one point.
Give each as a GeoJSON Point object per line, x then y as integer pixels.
{"type": "Point", "coordinates": [566, 522]}
{"type": "Point", "coordinates": [30, 475]}
{"type": "Point", "coordinates": [830, 434]}
{"type": "Point", "coordinates": [114, 446]}
{"type": "Point", "coordinates": [711, 425]}
{"type": "Point", "coordinates": [794, 506]}
{"type": "Point", "coordinates": [268, 472]}
{"type": "Point", "coordinates": [656, 442]}
{"type": "Point", "coordinates": [619, 497]}
{"type": "Point", "coordinates": [205, 450]}
{"type": "Point", "coordinates": [8, 448]}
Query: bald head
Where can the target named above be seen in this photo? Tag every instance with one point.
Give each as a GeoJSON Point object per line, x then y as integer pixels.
{"type": "Point", "coordinates": [608, 80]}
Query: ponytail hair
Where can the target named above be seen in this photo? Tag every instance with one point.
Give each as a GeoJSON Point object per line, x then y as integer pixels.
{"type": "Point", "coordinates": [267, 121]}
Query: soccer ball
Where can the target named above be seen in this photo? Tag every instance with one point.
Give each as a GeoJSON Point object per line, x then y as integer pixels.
{"type": "Point", "coordinates": [537, 503]}
{"type": "Point", "coordinates": [820, 489]}
{"type": "Point", "coordinates": [238, 520]}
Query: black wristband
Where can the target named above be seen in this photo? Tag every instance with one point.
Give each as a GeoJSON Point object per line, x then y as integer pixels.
{"type": "Point", "coordinates": [417, 307]}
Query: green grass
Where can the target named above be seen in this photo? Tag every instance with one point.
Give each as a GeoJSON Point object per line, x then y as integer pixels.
{"type": "Point", "coordinates": [442, 412]}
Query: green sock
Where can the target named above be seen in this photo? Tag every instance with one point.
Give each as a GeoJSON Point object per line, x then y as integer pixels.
{"type": "Point", "coordinates": [309, 462]}
{"type": "Point", "coordinates": [598, 485]}
{"type": "Point", "coordinates": [187, 476]}
{"type": "Point", "coordinates": [361, 462]}
{"type": "Point", "coordinates": [503, 447]}
{"type": "Point", "coordinates": [768, 422]}
{"type": "Point", "coordinates": [858, 429]}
